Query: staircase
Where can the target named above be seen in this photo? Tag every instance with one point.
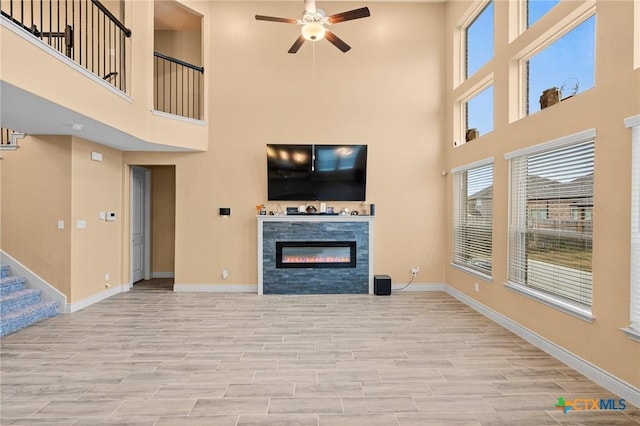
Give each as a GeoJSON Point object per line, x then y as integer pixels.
{"type": "Point", "coordinates": [19, 306]}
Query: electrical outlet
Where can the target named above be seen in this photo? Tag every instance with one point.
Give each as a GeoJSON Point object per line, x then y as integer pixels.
{"type": "Point", "coordinates": [414, 271]}
{"type": "Point", "coordinates": [477, 287]}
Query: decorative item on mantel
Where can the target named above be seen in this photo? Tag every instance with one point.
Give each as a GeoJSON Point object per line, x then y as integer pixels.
{"type": "Point", "coordinates": [261, 209]}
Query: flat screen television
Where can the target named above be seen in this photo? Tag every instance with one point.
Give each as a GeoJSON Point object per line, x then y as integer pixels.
{"type": "Point", "coordinates": [316, 172]}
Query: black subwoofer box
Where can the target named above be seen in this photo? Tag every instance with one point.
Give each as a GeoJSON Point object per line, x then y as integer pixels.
{"type": "Point", "coordinates": [382, 285]}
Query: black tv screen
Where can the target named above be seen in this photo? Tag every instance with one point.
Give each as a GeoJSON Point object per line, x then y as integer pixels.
{"type": "Point", "coordinates": [316, 172]}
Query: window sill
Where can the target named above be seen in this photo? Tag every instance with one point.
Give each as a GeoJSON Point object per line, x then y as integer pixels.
{"type": "Point", "coordinates": [473, 272]}
{"type": "Point", "coordinates": [632, 334]}
{"type": "Point", "coordinates": [573, 309]}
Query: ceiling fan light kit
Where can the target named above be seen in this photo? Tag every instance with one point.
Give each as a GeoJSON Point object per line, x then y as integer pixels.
{"type": "Point", "coordinates": [313, 24]}
{"type": "Point", "coordinates": [313, 31]}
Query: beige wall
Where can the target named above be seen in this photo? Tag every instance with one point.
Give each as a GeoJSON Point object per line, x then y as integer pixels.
{"type": "Point", "coordinates": [163, 218]}
{"type": "Point", "coordinates": [387, 92]}
{"type": "Point", "coordinates": [183, 45]}
{"type": "Point", "coordinates": [65, 185]}
{"type": "Point", "coordinates": [614, 97]}
{"type": "Point", "coordinates": [36, 194]}
{"type": "Point", "coordinates": [96, 186]}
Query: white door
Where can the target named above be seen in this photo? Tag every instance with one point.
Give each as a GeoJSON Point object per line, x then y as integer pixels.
{"type": "Point", "coordinates": [137, 224]}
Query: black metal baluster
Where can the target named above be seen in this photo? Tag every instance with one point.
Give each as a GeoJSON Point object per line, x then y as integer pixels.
{"type": "Point", "coordinates": [110, 53]}
{"type": "Point", "coordinates": [93, 48]}
{"type": "Point", "coordinates": [55, 36]}
{"type": "Point", "coordinates": [182, 97]}
{"type": "Point", "coordinates": [198, 94]}
{"type": "Point", "coordinates": [189, 87]}
{"type": "Point", "coordinates": [80, 20]}
{"type": "Point", "coordinates": [164, 73]}
{"type": "Point", "coordinates": [50, 20]}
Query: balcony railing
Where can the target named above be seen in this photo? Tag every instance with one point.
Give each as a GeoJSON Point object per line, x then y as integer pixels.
{"type": "Point", "coordinates": [83, 30]}
{"type": "Point", "coordinates": [178, 87]}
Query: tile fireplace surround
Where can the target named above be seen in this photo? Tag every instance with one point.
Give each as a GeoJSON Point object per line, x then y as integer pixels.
{"type": "Point", "coordinates": [315, 280]}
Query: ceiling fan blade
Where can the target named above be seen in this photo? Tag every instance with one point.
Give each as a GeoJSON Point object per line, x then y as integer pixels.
{"type": "Point", "coordinates": [363, 12]}
{"type": "Point", "coordinates": [296, 46]}
{"type": "Point", "coordinates": [337, 41]}
{"type": "Point", "coordinates": [274, 19]}
{"type": "Point", "coordinates": [310, 6]}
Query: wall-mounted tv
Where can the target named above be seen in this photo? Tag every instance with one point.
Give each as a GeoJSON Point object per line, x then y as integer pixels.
{"type": "Point", "coordinates": [316, 172]}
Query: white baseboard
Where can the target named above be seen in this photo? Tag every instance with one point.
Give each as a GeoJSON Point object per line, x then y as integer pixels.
{"type": "Point", "coordinates": [610, 382]}
{"type": "Point", "coordinates": [76, 306]}
{"type": "Point", "coordinates": [49, 292]}
{"type": "Point", "coordinates": [253, 288]}
{"type": "Point", "coordinates": [162, 275]}
{"type": "Point", "coordinates": [399, 288]}
{"type": "Point", "coordinates": [216, 288]}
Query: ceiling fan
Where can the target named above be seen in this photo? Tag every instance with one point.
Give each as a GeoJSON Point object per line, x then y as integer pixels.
{"type": "Point", "coordinates": [313, 24]}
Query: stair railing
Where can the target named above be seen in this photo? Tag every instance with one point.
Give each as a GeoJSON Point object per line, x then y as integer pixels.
{"type": "Point", "coordinates": [83, 30]}
{"type": "Point", "coordinates": [178, 86]}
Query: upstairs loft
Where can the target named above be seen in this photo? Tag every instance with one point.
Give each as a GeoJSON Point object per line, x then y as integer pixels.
{"type": "Point", "coordinates": [109, 79]}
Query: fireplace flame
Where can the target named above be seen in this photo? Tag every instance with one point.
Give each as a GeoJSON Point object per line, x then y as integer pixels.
{"type": "Point", "coordinates": [316, 259]}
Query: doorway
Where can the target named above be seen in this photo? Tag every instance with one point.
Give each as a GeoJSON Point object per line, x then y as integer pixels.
{"type": "Point", "coordinates": [153, 226]}
{"type": "Point", "coordinates": [140, 223]}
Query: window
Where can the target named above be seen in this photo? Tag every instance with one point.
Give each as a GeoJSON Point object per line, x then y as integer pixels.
{"type": "Point", "coordinates": [538, 213]}
{"type": "Point", "coordinates": [479, 41]}
{"type": "Point", "coordinates": [568, 65]}
{"type": "Point", "coordinates": [473, 216]}
{"type": "Point", "coordinates": [634, 329]}
{"type": "Point", "coordinates": [550, 254]}
{"type": "Point", "coordinates": [536, 9]}
{"type": "Point", "coordinates": [479, 113]}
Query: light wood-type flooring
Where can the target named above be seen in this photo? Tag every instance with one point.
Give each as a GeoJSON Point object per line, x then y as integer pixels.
{"type": "Point", "coordinates": [153, 357]}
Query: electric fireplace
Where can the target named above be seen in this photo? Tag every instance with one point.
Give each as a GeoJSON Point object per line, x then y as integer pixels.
{"type": "Point", "coordinates": [315, 254]}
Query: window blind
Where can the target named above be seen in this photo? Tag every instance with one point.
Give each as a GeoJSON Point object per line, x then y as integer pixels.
{"type": "Point", "coordinates": [473, 218]}
{"type": "Point", "coordinates": [551, 222]}
{"type": "Point", "coordinates": [635, 226]}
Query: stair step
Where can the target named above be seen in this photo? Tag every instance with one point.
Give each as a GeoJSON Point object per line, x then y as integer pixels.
{"type": "Point", "coordinates": [18, 300]}
{"type": "Point", "coordinates": [22, 318]}
{"type": "Point", "coordinates": [4, 271]}
{"type": "Point", "coordinates": [11, 284]}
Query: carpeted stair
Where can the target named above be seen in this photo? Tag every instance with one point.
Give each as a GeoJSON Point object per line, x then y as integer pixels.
{"type": "Point", "coordinates": [20, 306]}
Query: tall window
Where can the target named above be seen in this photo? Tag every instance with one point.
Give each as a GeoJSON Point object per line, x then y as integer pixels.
{"type": "Point", "coordinates": [634, 329]}
{"type": "Point", "coordinates": [536, 9]}
{"type": "Point", "coordinates": [479, 112]}
{"type": "Point", "coordinates": [550, 254]}
{"type": "Point", "coordinates": [479, 40]}
{"type": "Point", "coordinates": [473, 216]}
{"type": "Point", "coordinates": [567, 65]}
